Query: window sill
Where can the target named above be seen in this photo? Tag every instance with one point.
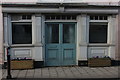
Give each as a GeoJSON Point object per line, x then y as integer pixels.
{"type": "Point", "coordinates": [100, 45]}
{"type": "Point", "coordinates": [26, 45]}
{"type": "Point", "coordinates": [22, 45]}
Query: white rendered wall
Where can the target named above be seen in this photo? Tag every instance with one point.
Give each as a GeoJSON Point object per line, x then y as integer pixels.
{"type": "Point", "coordinates": [112, 26]}
{"type": "Point", "coordinates": [81, 37]}
{"type": "Point", "coordinates": [37, 27]}
{"type": "Point", "coordinates": [1, 35]}
{"type": "Point", "coordinates": [1, 41]}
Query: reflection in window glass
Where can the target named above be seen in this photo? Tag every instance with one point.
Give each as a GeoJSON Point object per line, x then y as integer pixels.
{"type": "Point", "coordinates": [53, 33]}
{"type": "Point", "coordinates": [68, 33]}
{"type": "Point", "coordinates": [21, 33]}
{"type": "Point", "coordinates": [98, 33]}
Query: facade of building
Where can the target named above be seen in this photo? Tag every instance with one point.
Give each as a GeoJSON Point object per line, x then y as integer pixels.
{"type": "Point", "coordinates": [61, 34]}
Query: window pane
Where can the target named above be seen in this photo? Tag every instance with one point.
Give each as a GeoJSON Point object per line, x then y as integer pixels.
{"type": "Point", "coordinates": [21, 33]}
{"type": "Point", "coordinates": [53, 33]}
{"type": "Point", "coordinates": [68, 33]}
{"type": "Point", "coordinates": [98, 33]}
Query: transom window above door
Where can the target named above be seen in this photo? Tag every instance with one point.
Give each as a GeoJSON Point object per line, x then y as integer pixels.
{"type": "Point", "coordinates": [60, 17]}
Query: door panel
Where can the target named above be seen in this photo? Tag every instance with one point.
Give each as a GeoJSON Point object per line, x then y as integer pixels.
{"type": "Point", "coordinates": [60, 44]}
{"type": "Point", "coordinates": [68, 46]}
{"type": "Point", "coordinates": [52, 57]}
{"type": "Point", "coordinates": [52, 45]}
{"type": "Point", "coordinates": [69, 54]}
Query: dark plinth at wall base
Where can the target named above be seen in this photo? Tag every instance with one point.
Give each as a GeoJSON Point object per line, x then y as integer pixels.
{"type": "Point", "coordinates": [38, 64]}
{"type": "Point", "coordinates": [83, 63]}
{"type": "Point", "coordinates": [4, 66]}
{"type": "Point", "coordinates": [115, 62]}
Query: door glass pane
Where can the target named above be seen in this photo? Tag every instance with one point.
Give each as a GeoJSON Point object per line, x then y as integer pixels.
{"type": "Point", "coordinates": [53, 33]}
{"type": "Point", "coordinates": [68, 33]}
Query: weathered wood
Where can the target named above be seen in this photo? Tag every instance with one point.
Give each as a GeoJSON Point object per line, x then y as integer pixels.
{"type": "Point", "coordinates": [22, 64]}
{"type": "Point", "coordinates": [99, 62]}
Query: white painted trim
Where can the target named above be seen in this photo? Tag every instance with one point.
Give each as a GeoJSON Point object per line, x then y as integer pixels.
{"type": "Point", "coordinates": [5, 30]}
{"type": "Point", "coordinates": [22, 21]}
{"type": "Point", "coordinates": [33, 30]}
{"type": "Point", "coordinates": [99, 21]}
{"type": "Point", "coordinates": [93, 11]}
{"type": "Point", "coordinates": [43, 38]}
{"type": "Point", "coordinates": [60, 21]}
{"type": "Point", "coordinates": [57, 10]}
{"type": "Point", "coordinates": [10, 30]}
{"type": "Point", "coordinates": [1, 38]}
{"type": "Point", "coordinates": [87, 30]}
{"type": "Point", "coordinates": [81, 51]}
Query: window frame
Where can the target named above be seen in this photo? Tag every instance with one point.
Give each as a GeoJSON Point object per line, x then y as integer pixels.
{"type": "Point", "coordinates": [20, 21]}
{"type": "Point", "coordinates": [101, 22]}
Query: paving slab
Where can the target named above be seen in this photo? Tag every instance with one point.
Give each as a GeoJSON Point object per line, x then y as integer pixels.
{"type": "Point", "coordinates": [65, 72]}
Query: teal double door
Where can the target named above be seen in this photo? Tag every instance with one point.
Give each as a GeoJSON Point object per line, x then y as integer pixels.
{"type": "Point", "coordinates": [60, 44]}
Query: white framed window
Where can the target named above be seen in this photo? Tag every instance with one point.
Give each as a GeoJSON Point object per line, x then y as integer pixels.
{"type": "Point", "coordinates": [21, 26]}
{"type": "Point", "coordinates": [98, 29]}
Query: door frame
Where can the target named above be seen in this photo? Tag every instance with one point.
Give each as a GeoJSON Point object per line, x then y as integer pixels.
{"type": "Point", "coordinates": [60, 23]}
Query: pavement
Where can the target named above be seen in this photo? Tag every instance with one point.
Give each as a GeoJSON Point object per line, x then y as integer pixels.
{"type": "Point", "coordinates": [66, 73]}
